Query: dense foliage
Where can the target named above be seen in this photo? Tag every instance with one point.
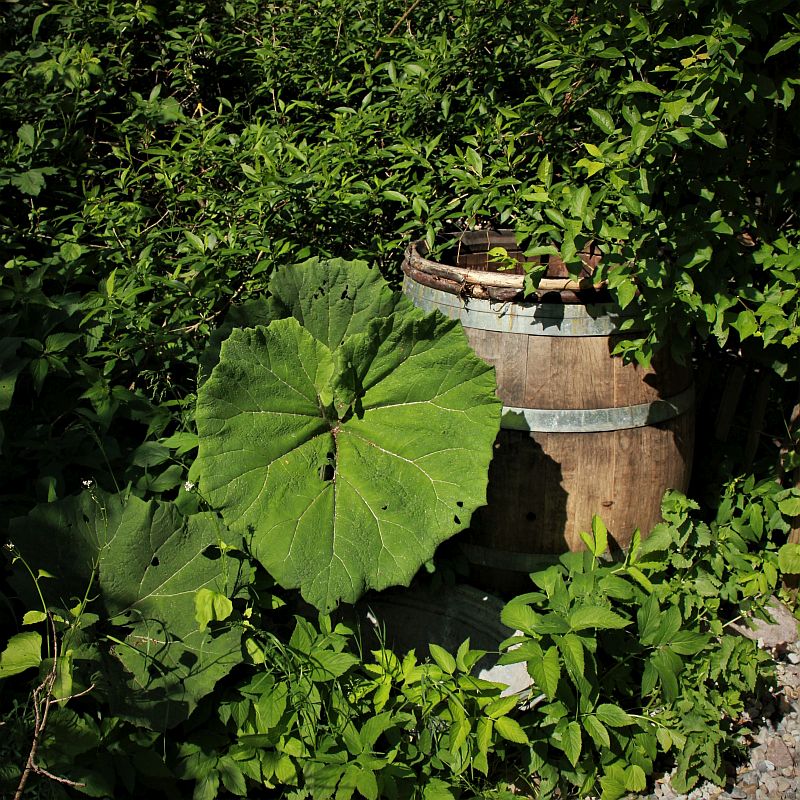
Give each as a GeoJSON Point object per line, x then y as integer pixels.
{"type": "Point", "coordinates": [159, 164]}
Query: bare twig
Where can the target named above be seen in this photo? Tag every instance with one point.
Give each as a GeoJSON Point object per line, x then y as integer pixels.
{"type": "Point", "coordinates": [397, 24]}
{"type": "Point", "coordinates": [42, 700]}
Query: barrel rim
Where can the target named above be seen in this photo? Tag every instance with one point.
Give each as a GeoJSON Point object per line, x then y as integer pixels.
{"type": "Point", "coordinates": [464, 278]}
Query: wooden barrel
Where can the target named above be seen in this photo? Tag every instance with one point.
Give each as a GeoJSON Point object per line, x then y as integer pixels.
{"type": "Point", "coordinates": [582, 432]}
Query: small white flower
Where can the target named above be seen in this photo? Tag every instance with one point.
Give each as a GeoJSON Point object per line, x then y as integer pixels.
{"type": "Point", "coordinates": [88, 483]}
{"type": "Point", "coordinates": [10, 547]}
{"type": "Point", "coordinates": [188, 486]}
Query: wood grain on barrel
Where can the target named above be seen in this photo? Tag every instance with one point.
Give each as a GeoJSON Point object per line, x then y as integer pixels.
{"type": "Point", "coordinates": [545, 487]}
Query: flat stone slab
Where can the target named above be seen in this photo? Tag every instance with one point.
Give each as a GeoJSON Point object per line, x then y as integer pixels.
{"type": "Point", "coordinates": [784, 630]}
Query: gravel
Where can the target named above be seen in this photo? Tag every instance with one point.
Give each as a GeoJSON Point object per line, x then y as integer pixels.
{"type": "Point", "coordinates": [773, 769]}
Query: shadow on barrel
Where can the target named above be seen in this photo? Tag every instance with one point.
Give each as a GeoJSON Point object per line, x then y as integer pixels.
{"type": "Point", "coordinates": [521, 529]}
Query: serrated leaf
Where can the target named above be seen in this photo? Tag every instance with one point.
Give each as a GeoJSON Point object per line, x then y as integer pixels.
{"type": "Point", "coordinates": [519, 616]}
{"type": "Point", "coordinates": [596, 730]}
{"type": "Point", "coordinates": [571, 742]}
{"type": "Point", "coordinates": [789, 558]}
{"type": "Point", "coordinates": [613, 783]}
{"type": "Point", "coordinates": [635, 778]}
{"type": "Point", "coordinates": [341, 462]}
{"type": "Point", "coordinates": [598, 617]}
{"type": "Point", "coordinates": [510, 729]}
{"type": "Point", "coordinates": [437, 789]}
{"type": "Point", "coordinates": [144, 561]}
{"type": "Point", "coordinates": [30, 182]}
{"type": "Point", "coordinates": [545, 669]}
{"type": "Point", "coordinates": [332, 299]}
{"type": "Point", "coordinates": [613, 716]}
{"type": "Point", "coordinates": [27, 134]}
{"type": "Point", "coordinates": [790, 506]}
{"type": "Point", "coordinates": [246, 315]}
{"type": "Point", "coordinates": [23, 651]}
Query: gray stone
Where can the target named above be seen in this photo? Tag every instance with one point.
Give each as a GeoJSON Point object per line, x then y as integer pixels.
{"type": "Point", "coordinates": [782, 631]}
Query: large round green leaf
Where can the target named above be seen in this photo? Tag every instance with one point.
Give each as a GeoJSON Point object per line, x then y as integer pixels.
{"type": "Point", "coordinates": [142, 564]}
{"type": "Point", "coordinates": [348, 466]}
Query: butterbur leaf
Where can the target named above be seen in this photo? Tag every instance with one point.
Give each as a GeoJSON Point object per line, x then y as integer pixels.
{"type": "Point", "coordinates": [246, 315]}
{"type": "Point", "coordinates": [340, 464]}
{"type": "Point", "coordinates": [23, 651]}
{"type": "Point", "coordinates": [144, 563]}
{"type": "Point", "coordinates": [332, 299]}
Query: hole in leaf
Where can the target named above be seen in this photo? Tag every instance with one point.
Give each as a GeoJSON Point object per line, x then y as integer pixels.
{"type": "Point", "coordinates": [383, 508]}
{"type": "Point", "coordinates": [460, 503]}
{"type": "Point", "coordinates": [155, 562]}
{"type": "Point", "coordinates": [345, 295]}
{"type": "Point", "coordinates": [456, 520]}
{"type": "Point", "coordinates": [530, 516]}
{"type": "Point", "coordinates": [212, 552]}
{"type": "Point", "coordinates": [327, 472]}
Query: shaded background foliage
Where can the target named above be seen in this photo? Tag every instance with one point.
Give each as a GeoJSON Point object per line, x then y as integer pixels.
{"type": "Point", "coordinates": [159, 160]}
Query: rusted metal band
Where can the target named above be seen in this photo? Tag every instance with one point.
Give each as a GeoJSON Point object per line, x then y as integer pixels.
{"type": "Point", "coordinates": [595, 420]}
{"type": "Point", "coordinates": [531, 319]}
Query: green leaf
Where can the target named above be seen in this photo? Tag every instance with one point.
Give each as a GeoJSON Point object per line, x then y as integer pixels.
{"type": "Point", "coordinates": [545, 669]}
{"type": "Point", "coordinates": [519, 616]}
{"type": "Point", "coordinates": [789, 558]}
{"type": "Point", "coordinates": [437, 789]}
{"type": "Point", "coordinates": [598, 617]}
{"type": "Point", "coordinates": [30, 182]}
{"type": "Point", "coordinates": [33, 617]}
{"type": "Point", "coordinates": [331, 299]}
{"type": "Point", "coordinates": [571, 742]}
{"type": "Point", "coordinates": [597, 731]}
{"type": "Point", "coordinates": [613, 715]}
{"type": "Point", "coordinates": [27, 134]}
{"type": "Point", "coordinates": [717, 138]}
{"type": "Point", "coordinates": [544, 171]}
{"type": "Point", "coordinates": [641, 87]}
{"type": "Point", "coordinates": [211, 606]}
{"type": "Point", "coordinates": [23, 651]}
{"type": "Point", "coordinates": [510, 729]}
{"type": "Point", "coordinates": [475, 162]}
{"type": "Point", "coordinates": [144, 562]}
{"type": "Point", "coordinates": [602, 119]}
{"type": "Point", "coordinates": [635, 778]}
{"type": "Point", "coordinates": [341, 463]}
{"type": "Point", "coordinates": [745, 323]}
{"type": "Point", "coordinates": [790, 506]}
{"type": "Point", "coordinates": [579, 201]}
{"type": "Point", "coordinates": [443, 658]}
{"type": "Point", "coordinates": [613, 783]}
